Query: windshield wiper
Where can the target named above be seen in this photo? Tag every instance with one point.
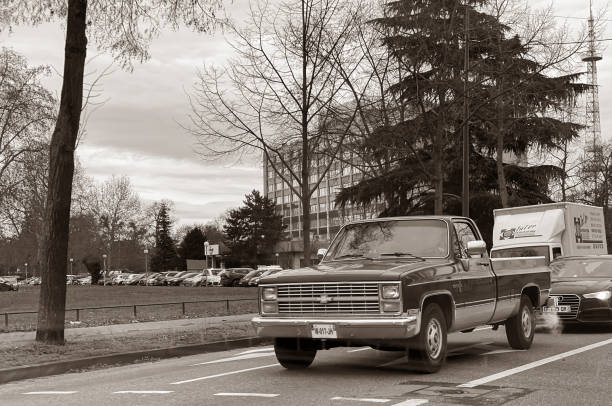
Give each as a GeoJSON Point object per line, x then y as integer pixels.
{"type": "Point", "coordinates": [355, 256]}
{"type": "Point", "coordinates": [401, 254]}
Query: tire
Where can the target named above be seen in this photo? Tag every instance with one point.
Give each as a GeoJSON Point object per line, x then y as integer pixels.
{"type": "Point", "coordinates": [235, 282]}
{"type": "Point", "coordinates": [520, 328]}
{"type": "Point", "coordinates": [294, 353]}
{"type": "Point", "coordinates": [427, 351]}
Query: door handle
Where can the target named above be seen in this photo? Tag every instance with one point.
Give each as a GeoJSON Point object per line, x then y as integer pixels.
{"type": "Point", "coordinates": [484, 263]}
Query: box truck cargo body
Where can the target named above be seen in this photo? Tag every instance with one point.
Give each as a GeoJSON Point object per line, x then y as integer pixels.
{"type": "Point", "coordinates": [549, 230]}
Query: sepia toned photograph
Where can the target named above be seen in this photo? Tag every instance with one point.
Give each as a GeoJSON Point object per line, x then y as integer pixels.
{"type": "Point", "coordinates": [305, 202]}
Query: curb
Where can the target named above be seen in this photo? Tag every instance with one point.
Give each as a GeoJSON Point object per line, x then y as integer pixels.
{"type": "Point", "coordinates": [62, 367]}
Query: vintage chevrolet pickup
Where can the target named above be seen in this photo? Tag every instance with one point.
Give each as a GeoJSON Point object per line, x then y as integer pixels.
{"type": "Point", "coordinates": [400, 283]}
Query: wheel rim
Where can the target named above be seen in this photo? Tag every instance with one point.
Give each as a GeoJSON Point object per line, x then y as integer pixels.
{"type": "Point", "coordinates": [434, 338]}
{"type": "Point", "coordinates": [526, 322]}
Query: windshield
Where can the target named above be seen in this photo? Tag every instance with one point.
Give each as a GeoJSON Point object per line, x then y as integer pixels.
{"type": "Point", "coordinates": [581, 268]}
{"type": "Point", "coordinates": [391, 240]}
{"type": "Point", "coordinates": [517, 252]}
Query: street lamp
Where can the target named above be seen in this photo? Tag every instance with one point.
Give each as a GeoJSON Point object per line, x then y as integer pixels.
{"type": "Point", "coordinates": [26, 269]}
{"type": "Point", "coordinates": [146, 252]}
{"type": "Point", "coordinates": [71, 260]}
{"type": "Point", "coordinates": [276, 258]}
{"type": "Point", "coordinates": [104, 269]}
{"type": "Point", "coordinates": [206, 244]}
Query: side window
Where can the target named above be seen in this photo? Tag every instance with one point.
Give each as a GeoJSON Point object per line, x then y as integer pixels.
{"type": "Point", "coordinates": [556, 251]}
{"type": "Point", "coordinates": [464, 235]}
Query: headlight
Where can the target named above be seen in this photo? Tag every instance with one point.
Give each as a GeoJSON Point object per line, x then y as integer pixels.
{"type": "Point", "coordinates": [390, 292]}
{"type": "Point", "coordinates": [603, 295]}
{"type": "Point", "coordinates": [269, 308]}
{"type": "Point", "coordinates": [268, 294]}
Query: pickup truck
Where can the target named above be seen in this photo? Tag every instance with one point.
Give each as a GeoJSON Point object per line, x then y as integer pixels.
{"type": "Point", "coordinates": [400, 283]}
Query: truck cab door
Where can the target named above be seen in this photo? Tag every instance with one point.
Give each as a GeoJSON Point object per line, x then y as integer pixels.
{"type": "Point", "coordinates": [475, 290]}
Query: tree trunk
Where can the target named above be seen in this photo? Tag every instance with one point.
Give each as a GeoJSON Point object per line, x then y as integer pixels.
{"type": "Point", "coordinates": [52, 304]}
{"type": "Point", "coordinates": [305, 141]}
{"type": "Point", "coordinates": [501, 177]}
{"type": "Point", "coordinates": [438, 173]}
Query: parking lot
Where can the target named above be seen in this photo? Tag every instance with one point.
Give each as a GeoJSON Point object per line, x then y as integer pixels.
{"type": "Point", "coordinates": [567, 368]}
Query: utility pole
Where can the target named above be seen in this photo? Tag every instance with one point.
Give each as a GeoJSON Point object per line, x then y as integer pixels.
{"type": "Point", "coordinates": [465, 211]}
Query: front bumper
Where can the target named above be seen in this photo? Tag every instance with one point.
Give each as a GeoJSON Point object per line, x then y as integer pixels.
{"type": "Point", "coordinates": [400, 327]}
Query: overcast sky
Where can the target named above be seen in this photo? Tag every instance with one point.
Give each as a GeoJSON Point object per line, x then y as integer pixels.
{"type": "Point", "coordinates": [136, 132]}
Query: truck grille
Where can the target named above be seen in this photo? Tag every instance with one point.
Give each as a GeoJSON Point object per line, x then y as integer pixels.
{"type": "Point", "coordinates": [573, 301]}
{"type": "Point", "coordinates": [347, 298]}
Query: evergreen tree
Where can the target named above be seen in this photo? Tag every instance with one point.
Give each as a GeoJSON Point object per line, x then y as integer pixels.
{"type": "Point", "coordinates": [192, 246]}
{"type": "Point", "coordinates": [253, 229]}
{"type": "Point", "coordinates": [164, 255]}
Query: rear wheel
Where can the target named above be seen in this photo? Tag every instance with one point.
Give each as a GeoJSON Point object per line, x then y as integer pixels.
{"type": "Point", "coordinates": [520, 328]}
{"type": "Point", "coordinates": [428, 350]}
{"type": "Point", "coordinates": [294, 353]}
{"type": "Point", "coordinates": [236, 282]}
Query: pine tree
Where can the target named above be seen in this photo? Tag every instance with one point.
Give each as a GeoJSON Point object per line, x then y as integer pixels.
{"type": "Point", "coordinates": [253, 230]}
{"type": "Point", "coordinates": [192, 246]}
{"type": "Point", "coordinates": [164, 256]}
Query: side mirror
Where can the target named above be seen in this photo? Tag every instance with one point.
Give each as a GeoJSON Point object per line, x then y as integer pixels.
{"type": "Point", "coordinates": [321, 252]}
{"type": "Point", "coordinates": [478, 247]}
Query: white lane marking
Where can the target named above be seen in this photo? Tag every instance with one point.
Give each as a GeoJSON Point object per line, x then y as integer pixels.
{"type": "Point", "coordinates": [237, 358]}
{"type": "Point", "coordinates": [534, 364]}
{"type": "Point", "coordinates": [412, 402]}
{"type": "Point", "coordinates": [360, 349]}
{"type": "Point", "coordinates": [371, 400]}
{"type": "Point", "coordinates": [223, 374]}
{"type": "Point", "coordinates": [51, 393]}
{"type": "Point", "coordinates": [501, 352]}
{"type": "Point", "coordinates": [257, 350]}
{"type": "Point", "coordinates": [258, 395]}
{"type": "Point", "coordinates": [454, 351]}
{"type": "Point", "coordinates": [145, 392]}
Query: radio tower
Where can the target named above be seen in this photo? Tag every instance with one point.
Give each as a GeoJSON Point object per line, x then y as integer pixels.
{"type": "Point", "coordinates": [592, 97]}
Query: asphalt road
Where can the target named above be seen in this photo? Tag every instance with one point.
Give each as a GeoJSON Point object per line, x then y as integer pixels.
{"type": "Point", "coordinates": [571, 368]}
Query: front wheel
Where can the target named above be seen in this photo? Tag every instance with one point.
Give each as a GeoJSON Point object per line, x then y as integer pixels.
{"type": "Point", "coordinates": [520, 328]}
{"type": "Point", "coordinates": [428, 349]}
{"type": "Point", "coordinates": [294, 353]}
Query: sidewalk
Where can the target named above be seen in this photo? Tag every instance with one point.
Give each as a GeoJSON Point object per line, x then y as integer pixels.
{"type": "Point", "coordinates": [17, 339]}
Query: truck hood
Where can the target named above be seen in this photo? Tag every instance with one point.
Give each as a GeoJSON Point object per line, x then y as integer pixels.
{"type": "Point", "coordinates": [580, 286]}
{"type": "Point", "coordinates": [353, 271]}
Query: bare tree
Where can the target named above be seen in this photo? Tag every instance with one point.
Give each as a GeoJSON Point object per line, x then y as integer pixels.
{"type": "Point", "coordinates": [282, 93]}
{"type": "Point", "coordinates": [125, 28]}
{"type": "Point", "coordinates": [115, 205]}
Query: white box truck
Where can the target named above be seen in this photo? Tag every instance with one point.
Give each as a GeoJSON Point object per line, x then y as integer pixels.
{"type": "Point", "coordinates": [550, 230]}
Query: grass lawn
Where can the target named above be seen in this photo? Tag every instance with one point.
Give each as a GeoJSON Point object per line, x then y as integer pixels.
{"type": "Point", "coordinates": [26, 299]}
{"type": "Point", "coordinates": [40, 353]}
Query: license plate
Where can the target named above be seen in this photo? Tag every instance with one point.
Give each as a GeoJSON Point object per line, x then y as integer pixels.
{"type": "Point", "coordinates": [324, 331]}
{"type": "Point", "coordinates": [556, 309]}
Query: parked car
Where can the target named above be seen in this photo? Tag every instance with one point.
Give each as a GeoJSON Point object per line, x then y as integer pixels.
{"type": "Point", "coordinates": [246, 278]}
{"type": "Point", "coordinates": [232, 276]}
{"type": "Point", "coordinates": [6, 285]}
{"type": "Point", "coordinates": [198, 279]}
{"type": "Point", "coordinates": [177, 278]}
{"type": "Point", "coordinates": [212, 276]}
{"type": "Point", "coordinates": [401, 283]}
{"type": "Point", "coordinates": [581, 289]}
{"type": "Point", "coordinates": [255, 281]}
{"type": "Point", "coordinates": [154, 279]}
{"type": "Point", "coordinates": [135, 278]}
{"type": "Point", "coordinates": [86, 280]}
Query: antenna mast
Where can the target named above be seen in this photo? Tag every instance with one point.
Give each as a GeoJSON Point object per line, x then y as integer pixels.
{"type": "Point", "coordinates": [591, 57]}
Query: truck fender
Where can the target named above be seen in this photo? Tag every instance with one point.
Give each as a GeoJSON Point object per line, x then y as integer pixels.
{"type": "Point", "coordinates": [534, 293]}
{"type": "Point", "coordinates": [446, 297]}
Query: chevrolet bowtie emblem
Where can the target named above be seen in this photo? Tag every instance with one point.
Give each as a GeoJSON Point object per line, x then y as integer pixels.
{"type": "Point", "coordinates": [325, 299]}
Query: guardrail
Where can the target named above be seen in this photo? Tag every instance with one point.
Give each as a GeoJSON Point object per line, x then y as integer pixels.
{"type": "Point", "coordinates": [134, 307]}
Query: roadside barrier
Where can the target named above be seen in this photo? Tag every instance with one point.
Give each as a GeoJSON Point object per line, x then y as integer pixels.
{"type": "Point", "coordinates": [135, 306]}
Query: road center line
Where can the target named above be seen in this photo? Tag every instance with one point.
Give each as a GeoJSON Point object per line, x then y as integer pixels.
{"type": "Point", "coordinates": [259, 395]}
{"type": "Point", "coordinates": [412, 402]}
{"type": "Point", "coordinates": [51, 393]}
{"type": "Point", "coordinates": [223, 374]}
{"type": "Point", "coordinates": [145, 392]}
{"type": "Point", "coordinates": [371, 400]}
{"type": "Point", "coordinates": [265, 349]}
{"type": "Point", "coordinates": [534, 364]}
{"type": "Point", "coordinates": [360, 349]}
